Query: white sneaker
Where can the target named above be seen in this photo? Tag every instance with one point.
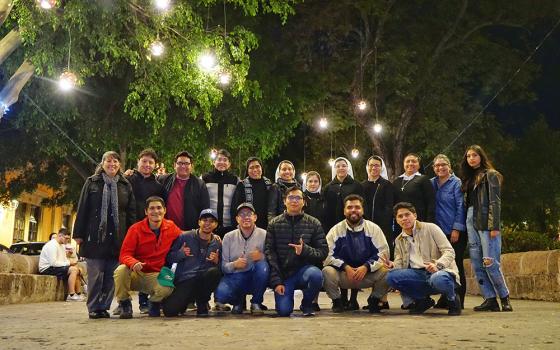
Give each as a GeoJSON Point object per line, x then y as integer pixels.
{"type": "Point", "coordinates": [75, 297]}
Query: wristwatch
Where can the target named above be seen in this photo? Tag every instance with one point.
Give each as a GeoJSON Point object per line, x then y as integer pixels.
{"type": "Point", "coordinates": [440, 266]}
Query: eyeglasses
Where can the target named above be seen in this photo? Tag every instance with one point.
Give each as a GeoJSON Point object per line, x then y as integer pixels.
{"type": "Point", "coordinates": [294, 198]}
{"type": "Point", "coordinates": [245, 215]}
{"type": "Point", "coordinates": [183, 163]}
{"type": "Point", "coordinates": [441, 165]}
{"type": "Point", "coordinates": [374, 166]}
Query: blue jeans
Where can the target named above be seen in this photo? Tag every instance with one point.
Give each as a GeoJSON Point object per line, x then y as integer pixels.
{"type": "Point", "coordinates": [234, 286]}
{"type": "Point", "coordinates": [490, 277]}
{"type": "Point", "coordinates": [101, 285]}
{"type": "Point", "coordinates": [309, 279]}
{"type": "Point", "coordinates": [419, 284]}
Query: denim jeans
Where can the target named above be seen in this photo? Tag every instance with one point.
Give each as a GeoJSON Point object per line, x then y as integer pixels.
{"type": "Point", "coordinates": [419, 284]}
{"type": "Point", "coordinates": [101, 285]}
{"type": "Point", "coordinates": [309, 279]}
{"type": "Point", "coordinates": [490, 278]}
{"type": "Point", "coordinates": [234, 286]}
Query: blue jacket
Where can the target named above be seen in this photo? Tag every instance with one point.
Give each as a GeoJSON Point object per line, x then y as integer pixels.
{"type": "Point", "coordinates": [190, 266]}
{"type": "Point", "coordinates": [356, 246]}
{"type": "Point", "coordinates": [450, 208]}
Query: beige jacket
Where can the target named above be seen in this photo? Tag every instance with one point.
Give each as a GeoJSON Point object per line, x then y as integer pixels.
{"type": "Point", "coordinates": [434, 247]}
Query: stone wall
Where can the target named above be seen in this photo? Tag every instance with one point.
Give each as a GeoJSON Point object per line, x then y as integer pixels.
{"type": "Point", "coordinates": [21, 283]}
{"type": "Point", "coordinates": [529, 275]}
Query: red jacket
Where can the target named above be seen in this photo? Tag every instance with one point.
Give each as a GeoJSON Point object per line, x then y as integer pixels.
{"type": "Point", "coordinates": [140, 245]}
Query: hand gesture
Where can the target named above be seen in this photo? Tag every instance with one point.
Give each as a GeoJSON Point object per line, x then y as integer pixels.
{"type": "Point", "coordinates": [240, 263]}
{"type": "Point", "coordinates": [128, 172]}
{"type": "Point", "coordinates": [454, 236]}
{"type": "Point", "coordinates": [431, 267]}
{"type": "Point", "coordinates": [386, 262]}
{"type": "Point", "coordinates": [186, 249]}
{"type": "Point", "coordinates": [359, 273]}
{"type": "Point", "coordinates": [138, 267]}
{"type": "Point", "coordinates": [494, 233]}
{"type": "Point", "coordinates": [297, 247]}
{"type": "Point", "coordinates": [280, 289]}
{"type": "Point", "coordinates": [256, 255]}
{"type": "Point", "coordinates": [217, 238]}
{"type": "Point", "coordinates": [214, 257]}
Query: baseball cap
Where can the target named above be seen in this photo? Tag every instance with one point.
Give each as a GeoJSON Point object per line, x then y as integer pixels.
{"type": "Point", "coordinates": [166, 277]}
{"type": "Point", "coordinates": [245, 205]}
{"type": "Point", "coordinates": [208, 212]}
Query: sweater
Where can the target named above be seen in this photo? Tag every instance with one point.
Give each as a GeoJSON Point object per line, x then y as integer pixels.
{"type": "Point", "coordinates": [234, 245]}
{"type": "Point", "coordinates": [53, 254]}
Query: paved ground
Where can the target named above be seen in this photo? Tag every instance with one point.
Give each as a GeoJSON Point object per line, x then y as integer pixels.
{"type": "Point", "coordinates": [64, 325]}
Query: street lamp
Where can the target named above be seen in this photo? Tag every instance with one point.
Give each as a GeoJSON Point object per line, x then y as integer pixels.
{"type": "Point", "coordinates": [323, 123]}
{"type": "Point", "coordinates": [162, 5]}
{"type": "Point", "coordinates": [207, 62]}
{"type": "Point", "coordinates": [362, 105]}
{"type": "Point", "coordinates": [355, 153]}
{"type": "Point", "coordinates": [67, 81]}
{"type": "Point", "coordinates": [157, 48]}
{"type": "Point", "coordinates": [46, 4]}
{"type": "Point", "coordinates": [377, 128]}
{"type": "Point", "coordinates": [224, 78]}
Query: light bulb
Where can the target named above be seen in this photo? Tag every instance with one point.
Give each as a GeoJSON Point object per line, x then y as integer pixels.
{"type": "Point", "coordinates": [67, 81]}
{"type": "Point", "coordinates": [377, 128]}
{"type": "Point", "coordinates": [355, 153]}
{"type": "Point", "coordinates": [224, 78]}
{"type": "Point", "coordinates": [162, 5]}
{"type": "Point", "coordinates": [362, 105]}
{"type": "Point", "coordinates": [46, 4]}
{"type": "Point", "coordinates": [207, 62]}
{"type": "Point", "coordinates": [323, 123]}
{"type": "Point", "coordinates": [331, 162]}
{"type": "Point", "coordinates": [213, 154]}
{"type": "Point", "coordinates": [157, 48]}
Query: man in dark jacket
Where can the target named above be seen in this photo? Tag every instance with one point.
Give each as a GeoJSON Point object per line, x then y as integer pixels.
{"type": "Point", "coordinates": [295, 243]}
{"type": "Point", "coordinates": [185, 195]}
{"type": "Point", "coordinates": [221, 185]}
{"type": "Point", "coordinates": [197, 255]}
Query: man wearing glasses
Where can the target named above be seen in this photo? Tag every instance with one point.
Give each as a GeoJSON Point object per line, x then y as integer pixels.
{"type": "Point", "coordinates": [185, 195]}
{"type": "Point", "coordinates": [243, 263]}
{"type": "Point", "coordinates": [295, 244]}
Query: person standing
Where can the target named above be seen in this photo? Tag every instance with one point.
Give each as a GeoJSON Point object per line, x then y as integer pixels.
{"type": "Point", "coordinates": [482, 185]}
{"type": "Point", "coordinates": [106, 210]}
{"type": "Point", "coordinates": [285, 178]}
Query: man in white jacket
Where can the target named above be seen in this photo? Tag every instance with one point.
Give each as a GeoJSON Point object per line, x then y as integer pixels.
{"type": "Point", "coordinates": [53, 261]}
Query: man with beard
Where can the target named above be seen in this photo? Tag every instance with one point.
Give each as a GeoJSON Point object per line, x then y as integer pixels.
{"type": "Point", "coordinates": [355, 248]}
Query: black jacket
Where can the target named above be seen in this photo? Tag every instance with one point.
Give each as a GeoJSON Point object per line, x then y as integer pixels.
{"type": "Point", "coordinates": [285, 229]}
{"type": "Point", "coordinates": [334, 193]}
{"type": "Point", "coordinates": [259, 191]}
{"type": "Point", "coordinates": [276, 194]}
{"type": "Point", "coordinates": [195, 198]}
{"type": "Point", "coordinates": [221, 187]}
{"type": "Point", "coordinates": [315, 206]}
{"type": "Point", "coordinates": [88, 217]}
{"type": "Point", "coordinates": [144, 187]}
{"type": "Point", "coordinates": [379, 199]}
{"type": "Point", "coordinates": [487, 203]}
{"type": "Point", "coordinates": [420, 192]}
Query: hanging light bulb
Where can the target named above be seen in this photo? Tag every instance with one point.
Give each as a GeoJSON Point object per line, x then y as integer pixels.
{"type": "Point", "coordinates": [377, 128]}
{"type": "Point", "coordinates": [213, 154]}
{"type": "Point", "coordinates": [207, 62]}
{"type": "Point", "coordinates": [362, 105]}
{"type": "Point", "coordinates": [224, 78]}
{"type": "Point", "coordinates": [323, 123]}
{"type": "Point", "coordinates": [162, 5]}
{"type": "Point", "coordinates": [46, 4]}
{"type": "Point", "coordinates": [303, 176]}
{"type": "Point", "coordinates": [355, 152]}
{"type": "Point", "coordinates": [331, 162]}
{"type": "Point", "coordinates": [67, 81]}
{"type": "Point", "coordinates": [157, 48]}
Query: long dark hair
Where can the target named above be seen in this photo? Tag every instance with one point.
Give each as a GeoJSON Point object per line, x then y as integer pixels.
{"type": "Point", "coordinates": [471, 176]}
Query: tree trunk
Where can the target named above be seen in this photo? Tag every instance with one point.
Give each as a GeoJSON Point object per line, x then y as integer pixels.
{"type": "Point", "coordinates": [8, 44]}
{"type": "Point", "coordinates": [10, 93]}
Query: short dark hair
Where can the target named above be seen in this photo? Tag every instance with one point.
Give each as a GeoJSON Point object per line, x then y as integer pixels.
{"type": "Point", "coordinates": [224, 153]}
{"type": "Point", "coordinates": [149, 152]}
{"type": "Point", "coordinates": [415, 155]}
{"type": "Point", "coordinates": [183, 154]}
{"type": "Point", "coordinates": [403, 205]}
{"type": "Point", "coordinates": [293, 189]}
{"type": "Point", "coordinates": [63, 231]}
{"type": "Point", "coordinates": [353, 197]}
{"type": "Point", "coordinates": [52, 235]}
{"type": "Point", "coordinates": [154, 199]}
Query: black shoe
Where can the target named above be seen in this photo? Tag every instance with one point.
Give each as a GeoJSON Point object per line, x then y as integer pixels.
{"type": "Point", "coordinates": [506, 305]}
{"type": "Point", "coordinates": [117, 310]}
{"type": "Point", "coordinates": [408, 307]}
{"type": "Point", "coordinates": [455, 306]}
{"type": "Point", "coordinates": [144, 309]}
{"type": "Point", "coordinates": [104, 314]}
{"type": "Point", "coordinates": [263, 307]}
{"type": "Point", "coordinates": [316, 307]}
{"type": "Point", "coordinates": [420, 306]}
{"type": "Point", "coordinates": [202, 310]}
{"type": "Point", "coordinates": [442, 303]}
{"type": "Point", "coordinates": [490, 304]}
{"type": "Point", "coordinates": [373, 305]}
{"type": "Point", "coordinates": [126, 309]}
{"type": "Point", "coordinates": [94, 315]}
{"type": "Point", "coordinates": [154, 309]}
{"type": "Point", "coordinates": [384, 305]}
{"type": "Point", "coordinates": [237, 309]}
{"type": "Point", "coordinates": [352, 305]}
{"type": "Point", "coordinates": [337, 306]}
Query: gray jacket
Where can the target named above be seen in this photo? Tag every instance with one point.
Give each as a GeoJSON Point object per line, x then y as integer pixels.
{"type": "Point", "coordinates": [235, 244]}
{"type": "Point", "coordinates": [434, 247]}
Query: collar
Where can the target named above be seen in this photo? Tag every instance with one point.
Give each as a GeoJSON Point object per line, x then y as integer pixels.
{"type": "Point", "coordinates": [417, 226]}
{"type": "Point", "coordinates": [408, 178]}
{"type": "Point", "coordinates": [357, 228]}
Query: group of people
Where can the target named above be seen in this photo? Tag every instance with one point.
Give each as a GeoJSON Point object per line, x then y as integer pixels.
{"type": "Point", "coordinates": [230, 237]}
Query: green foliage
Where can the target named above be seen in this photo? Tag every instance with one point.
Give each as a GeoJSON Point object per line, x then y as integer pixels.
{"type": "Point", "coordinates": [523, 241]}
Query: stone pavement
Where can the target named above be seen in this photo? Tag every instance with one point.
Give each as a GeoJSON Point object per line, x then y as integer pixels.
{"type": "Point", "coordinates": [64, 325]}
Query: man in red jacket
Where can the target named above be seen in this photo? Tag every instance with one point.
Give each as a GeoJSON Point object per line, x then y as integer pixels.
{"type": "Point", "coordinates": [142, 257]}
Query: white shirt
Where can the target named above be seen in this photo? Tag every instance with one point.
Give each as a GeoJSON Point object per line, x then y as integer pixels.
{"type": "Point", "coordinates": [53, 254]}
{"type": "Point", "coordinates": [416, 261]}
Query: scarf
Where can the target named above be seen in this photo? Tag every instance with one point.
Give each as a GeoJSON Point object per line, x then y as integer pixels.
{"type": "Point", "coordinates": [110, 199]}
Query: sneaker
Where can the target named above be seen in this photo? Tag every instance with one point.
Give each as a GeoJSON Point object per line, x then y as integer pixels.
{"type": "Point", "coordinates": [352, 305]}
{"type": "Point", "coordinates": [221, 307]}
{"type": "Point", "coordinates": [337, 306]}
{"type": "Point", "coordinates": [237, 309]}
{"type": "Point", "coordinates": [256, 310]}
{"type": "Point", "coordinates": [373, 305]}
{"type": "Point", "coordinates": [421, 306]}
{"type": "Point", "coordinates": [202, 311]}
{"type": "Point", "coordinates": [144, 309]}
{"type": "Point", "coordinates": [74, 297]}
{"type": "Point", "coordinates": [117, 310]}
{"type": "Point", "coordinates": [94, 315]}
{"type": "Point", "coordinates": [316, 307]}
{"type": "Point", "coordinates": [442, 303]}
{"type": "Point", "coordinates": [154, 310]}
{"type": "Point", "coordinates": [104, 314]}
{"type": "Point", "coordinates": [454, 306]}
{"type": "Point", "coordinates": [506, 305]}
{"type": "Point", "coordinates": [308, 312]}
{"type": "Point", "coordinates": [126, 309]}
{"type": "Point", "coordinates": [490, 304]}
{"type": "Point", "coordinates": [263, 307]}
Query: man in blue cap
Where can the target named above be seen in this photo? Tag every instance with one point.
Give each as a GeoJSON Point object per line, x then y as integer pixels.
{"type": "Point", "coordinates": [197, 255]}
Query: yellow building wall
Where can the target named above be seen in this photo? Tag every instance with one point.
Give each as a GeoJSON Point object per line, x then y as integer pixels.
{"type": "Point", "coordinates": [7, 216]}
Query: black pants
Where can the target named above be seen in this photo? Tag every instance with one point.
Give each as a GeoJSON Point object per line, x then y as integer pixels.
{"type": "Point", "coordinates": [459, 248]}
{"type": "Point", "coordinates": [197, 289]}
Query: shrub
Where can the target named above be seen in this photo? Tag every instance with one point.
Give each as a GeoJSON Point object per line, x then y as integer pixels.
{"type": "Point", "coordinates": [523, 241]}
